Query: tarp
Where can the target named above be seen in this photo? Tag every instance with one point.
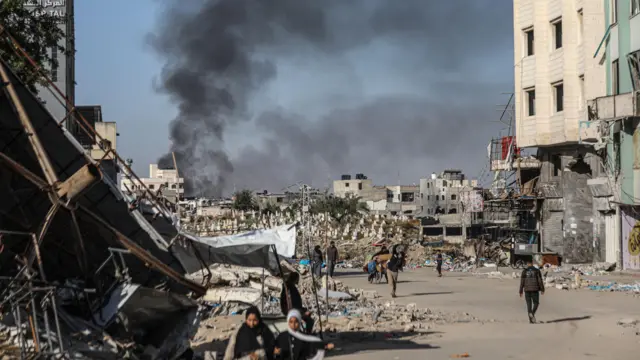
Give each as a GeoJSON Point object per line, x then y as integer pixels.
{"type": "Point", "coordinates": [250, 249]}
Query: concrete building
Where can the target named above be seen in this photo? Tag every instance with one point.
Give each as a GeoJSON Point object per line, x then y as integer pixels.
{"type": "Point", "coordinates": [63, 76]}
{"type": "Point", "coordinates": [100, 151]}
{"type": "Point", "coordinates": [393, 199]}
{"type": "Point", "coordinates": [159, 179]}
{"type": "Point", "coordinates": [441, 194]}
{"type": "Point", "coordinates": [555, 72]}
{"type": "Point", "coordinates": [612, 129]}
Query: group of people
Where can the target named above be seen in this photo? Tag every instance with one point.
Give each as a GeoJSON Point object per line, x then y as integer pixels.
{"type": "Point", "coordinates": [318, 259]}
{"type": "Point", "coordinates": [391, 267]}
{"type": "Point", "coordinates": [255, 341]}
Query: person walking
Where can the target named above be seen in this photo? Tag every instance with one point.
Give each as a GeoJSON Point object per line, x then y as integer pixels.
{"type": "Point", "coordinates": [332, 258]}
{"type": "Point", "coordinates": [393, 266]}
{"type": "Point", "coordinates": [531, 285]}
{"type": "Point", "coordinates": [253, 341]}
{"type": "Point", "coordinates": [291, 285]}
{"type": "Point", "coordinates": [317, 261]}
{"type": "Point", "coordinates": [439, 263]}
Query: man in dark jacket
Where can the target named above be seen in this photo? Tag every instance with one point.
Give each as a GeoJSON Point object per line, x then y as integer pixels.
{"type": "Point", "coordinates": [316, 263]}
{"type": "Point", "coordinates": [439, 263]}
{"type": "Point", "coordinates": [332, 258]}
{"type": "Point", "coordinates": [394, 264]}
{"type": "Point", "coordinates": [531, 285]}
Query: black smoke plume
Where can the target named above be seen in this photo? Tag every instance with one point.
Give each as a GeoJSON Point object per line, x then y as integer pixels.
{"type": "Point", "coordinates": [220, 53]}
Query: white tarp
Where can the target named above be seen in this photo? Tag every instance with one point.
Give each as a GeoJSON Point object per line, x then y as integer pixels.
{"type": "Point", "coordinates": [249, 249]}
{"type": "Point", "coordinates": [283, 237]}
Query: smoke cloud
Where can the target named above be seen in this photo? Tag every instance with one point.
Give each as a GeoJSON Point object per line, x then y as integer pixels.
{"type": "Point", "coordinates": [271, 92]}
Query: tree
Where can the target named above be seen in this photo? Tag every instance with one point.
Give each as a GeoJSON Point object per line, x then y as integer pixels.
{"type": "Point", "coordinates": [37, 32]}
{"type": "Point", "coordinates": [340, 209]}
{"type": "Point", "coordinates": [244, 201]}
{"type": "Point", "coordinates": [268, 211]}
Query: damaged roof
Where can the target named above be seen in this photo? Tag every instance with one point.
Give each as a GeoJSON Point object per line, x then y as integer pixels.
{"type": "Point", "coordinates": [102, 214]}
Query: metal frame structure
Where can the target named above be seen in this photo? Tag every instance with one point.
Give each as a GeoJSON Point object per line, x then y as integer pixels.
{"type": "Point", "coordinates": [30, 292]}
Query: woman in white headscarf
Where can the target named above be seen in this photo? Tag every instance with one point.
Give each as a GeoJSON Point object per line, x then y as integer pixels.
{"type": "Point", "coordinates": [294, 345]}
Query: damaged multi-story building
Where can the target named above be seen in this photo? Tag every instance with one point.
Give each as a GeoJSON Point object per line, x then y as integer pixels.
{"type": "Point", "coordinates": [573, 62]}
{"type": "Point", "coordinates": [391, 199]}
{"type": "Point", "coordinates": [611, 128]}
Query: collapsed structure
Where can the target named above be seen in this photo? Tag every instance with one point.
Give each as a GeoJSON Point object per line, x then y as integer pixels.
{"type": "Point", "coordinates": [77, 258]}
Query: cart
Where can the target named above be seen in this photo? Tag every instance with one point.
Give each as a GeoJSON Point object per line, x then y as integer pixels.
{"type": "Point", "coordinates": [524, 245]}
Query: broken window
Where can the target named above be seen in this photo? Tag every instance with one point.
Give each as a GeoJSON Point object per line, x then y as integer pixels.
{"type": "Point", "coordinates": [528, 37]}
{"type": "Point", "coordinates": [453, 197]}
{"type": "Point", "coordinates": [556, 160]}
{"type": "Point", "coordinates": [531, 102]}
{"type": "Point", "coordinates": [615, 77]}
{"type": "Point", "coordinates": [557, 34]}
{"type": "Point", "coordinates": [54, 64]}
{"type": "Point", "coordinates": [408, 197]}
{"type": "Point", "coordinates": [634, 66]}
{"type": "Point", "coordinates": [558, 96]}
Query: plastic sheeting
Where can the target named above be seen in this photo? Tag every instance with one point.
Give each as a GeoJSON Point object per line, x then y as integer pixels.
{"type": "Point", "coordinates": [250, 249]}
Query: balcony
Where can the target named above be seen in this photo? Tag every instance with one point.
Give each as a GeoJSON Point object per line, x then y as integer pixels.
{"type": "Point", "coordinates": [614, 106]}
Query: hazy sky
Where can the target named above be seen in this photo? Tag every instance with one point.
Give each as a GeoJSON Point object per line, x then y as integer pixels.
{"type": "Point", "coordinates": [393, 89]}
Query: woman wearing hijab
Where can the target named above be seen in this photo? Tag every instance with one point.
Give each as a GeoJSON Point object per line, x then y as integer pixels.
{"type": "Point", "coordinates": [316, 265]}
{"type": "Point", "coordinates": [253, 341]}
{"type": "Point", "coordinates": [294, 345]}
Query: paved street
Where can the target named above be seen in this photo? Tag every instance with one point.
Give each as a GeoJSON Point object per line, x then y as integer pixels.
{"type": "Point", "coordinates": [577, 324]}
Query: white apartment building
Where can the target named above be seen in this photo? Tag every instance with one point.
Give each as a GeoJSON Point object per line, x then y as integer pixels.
{"type": "Point", "coordinates": [442, 193]}
{"type": "Point", "coordinates": [166, 178]}
{"type": "Point", "coordinates": [555, 69]}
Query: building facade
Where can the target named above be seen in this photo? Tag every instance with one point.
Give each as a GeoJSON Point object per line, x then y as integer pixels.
{"type": "Point", "coordinates": [62, 75]}
{"type": "Point", "coordinates": [392, 199]}
{"type": "Point", "coordinates": [158, 180]}
{"type": "Point", "coordinates": [612, 127]}
{"type": "Point", "coordinates": [441, 194]}
{"type": "Point", "coordinates": [555, 73]}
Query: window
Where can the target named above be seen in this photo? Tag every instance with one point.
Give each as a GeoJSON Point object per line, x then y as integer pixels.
{"type": "Point", "coordinates": [531, 102]}
{"type": "Point", "coordinates": [556, 160]}
{"type": "Point", "coordinates": [558, 97]}
{"type": "Point", "coordinates": [528, 41]}
{"type": "Point", "coordinates": [359, 186]}
{"type": "Point", "coordinates": [346, 184]}
{"type": "Point", "coordinates": [634, 66]}
{"type": "Point", "coordinates": [615, 77]}
{"type": "Point", "coordinates": [613, 10]}
{"type": "Point", "coordinates": [580, 26]}
{"type": "Point", "coordinates": [54, 64]}
{"type": "Point", "coordinates": [441, 197]}
{"type": "Point", "coordinates": [453, 197]}
{"type": "Point", "coordinates": [151, 186]}
{"type": "Point", "coordinates": [582, 95]}
{"type": "Point", "coordinates": [557, 34]}
{"type": "Point", "coordinates": [635, 7]}
{"type": "Point", "coordinates": [428, 185]}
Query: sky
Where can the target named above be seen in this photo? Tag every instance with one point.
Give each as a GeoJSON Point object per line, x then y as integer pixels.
{"type": "Point", "coordinates": [394, 90]}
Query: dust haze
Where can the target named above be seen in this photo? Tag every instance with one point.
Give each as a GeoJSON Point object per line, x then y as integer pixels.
{"type": "Point", "coordinates": [272, 92]}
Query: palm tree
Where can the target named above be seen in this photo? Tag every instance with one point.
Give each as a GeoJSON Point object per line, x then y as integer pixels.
{"type": "Point", "coordinates": [244, 201]}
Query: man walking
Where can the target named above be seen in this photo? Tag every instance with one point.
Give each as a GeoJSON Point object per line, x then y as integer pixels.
{"type": "Point", "coordinates": [439, 263]}
{"type": "Point", "coordinates": [531, 285]}
{"type": "Point", "coordinates": [332, 258]}
{"type": "Point", "coordinates": [393, 266]}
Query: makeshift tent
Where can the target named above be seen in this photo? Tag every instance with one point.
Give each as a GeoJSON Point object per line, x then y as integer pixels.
{"type": "Point", "coordinates": [250, 249]}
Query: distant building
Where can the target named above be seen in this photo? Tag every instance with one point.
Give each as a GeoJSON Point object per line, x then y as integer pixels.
{"type": "Point", "coordinates": [164, 180]}
{"type": "Point", "coordinates": [62, 75]}
{"type": "Point", "coordinates": [393, 199]}
{"type": "Point", "coordinates": [441, 194]}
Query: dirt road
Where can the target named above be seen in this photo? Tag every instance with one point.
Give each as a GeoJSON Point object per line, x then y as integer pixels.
{"type": "Point", "coordinates": [577, 324]}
